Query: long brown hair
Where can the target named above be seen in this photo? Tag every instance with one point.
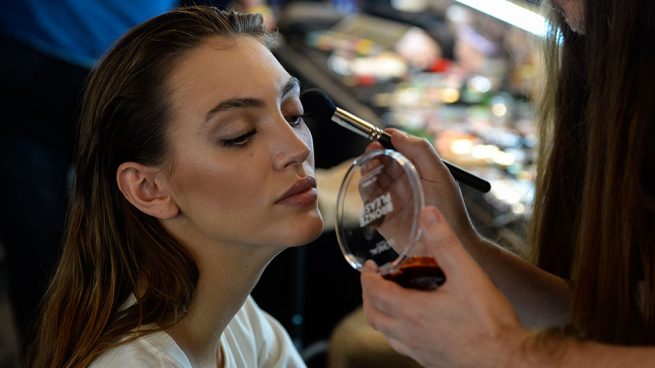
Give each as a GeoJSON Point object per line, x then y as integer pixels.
{"type": "Point", "coordinates": [111, 248]}
{"type": "Point", "coordinates": [594, 220]}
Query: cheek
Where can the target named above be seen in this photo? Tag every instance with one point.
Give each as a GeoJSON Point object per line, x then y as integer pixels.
{"type": "Point", "coordinates": [222, 204]}
{"type": "Point", "coordinates": [234, 192]}
{"type": "Point", "coordinates": [211, 186]}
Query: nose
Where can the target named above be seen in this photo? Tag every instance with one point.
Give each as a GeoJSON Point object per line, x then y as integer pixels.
{"type": "Point", "coordinates": [293, 145]}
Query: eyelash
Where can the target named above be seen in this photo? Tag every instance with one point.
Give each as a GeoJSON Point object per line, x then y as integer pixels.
{"type": "Point", "coordinates": [295, 120]}
{"type": "Point", "coordinates": [240, 141]}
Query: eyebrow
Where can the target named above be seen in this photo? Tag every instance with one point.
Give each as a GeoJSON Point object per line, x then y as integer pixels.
{"type": "Point", "coordinates": [247, 102]}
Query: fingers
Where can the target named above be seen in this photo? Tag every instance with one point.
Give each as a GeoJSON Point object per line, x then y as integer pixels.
{"type": "Point", "coordinates": [398, 346]}
{"type": "Point", "coordinates": [442, 242]}
{"type": "Point", "coordinates": [382, 295]}
{"type": "Point", "coordinates": [374, 146]}
{"type": "Point", "coordinates": [370, 266]}
{"type": "Point", "coordinates": [418, 150]}
{"type": "Point", "coordinates": [380, 304]}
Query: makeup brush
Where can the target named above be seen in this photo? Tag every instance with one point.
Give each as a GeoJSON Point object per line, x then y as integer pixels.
{"type": "Point", "coordinates": [317, 105]}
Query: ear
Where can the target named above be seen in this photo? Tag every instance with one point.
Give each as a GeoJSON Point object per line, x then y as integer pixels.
{"type": "Point", "coordinates": [140, 185]}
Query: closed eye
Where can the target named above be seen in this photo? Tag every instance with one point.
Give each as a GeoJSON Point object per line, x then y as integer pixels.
{"type": "Point", "coordinates": [240, 141]}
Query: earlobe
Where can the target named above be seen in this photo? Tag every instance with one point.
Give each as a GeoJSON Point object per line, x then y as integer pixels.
{"type": "Point", "coordinates": [138, 184]}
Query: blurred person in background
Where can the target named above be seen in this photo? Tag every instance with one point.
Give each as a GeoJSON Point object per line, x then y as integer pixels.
{"type": "Point", "coordinates": [48, 48]}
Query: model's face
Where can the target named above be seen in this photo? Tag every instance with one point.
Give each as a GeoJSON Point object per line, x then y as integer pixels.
{"type": "Point", "coordinates": [573, 11]}
{"type": "Point", "coordinates": [241, 163]}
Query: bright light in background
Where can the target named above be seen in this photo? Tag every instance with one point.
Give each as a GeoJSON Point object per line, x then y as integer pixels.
{"type": "Point", "coordinates": [480, 84]}
{"type": "Point", "coordinates": [461, 146]}
{"type": "Point", "coordinates": [499, 109]}
{"type": "Point", "coordinates": [449, 95]}
{"type": "Point", "coordinates": [511, 13]}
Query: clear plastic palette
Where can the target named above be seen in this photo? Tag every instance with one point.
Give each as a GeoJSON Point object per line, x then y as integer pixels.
{"type": "Point", "coordinates": [377, 210]}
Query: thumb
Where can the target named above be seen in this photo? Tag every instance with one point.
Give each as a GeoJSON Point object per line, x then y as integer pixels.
{"type": "Point", "coordinates": [418, 150]}
{"type": "Point", "coordinates": [441, 241]}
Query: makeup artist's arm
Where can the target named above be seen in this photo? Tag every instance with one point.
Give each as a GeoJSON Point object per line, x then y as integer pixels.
{"type": "Point", "coordinates": [540, 298]}
{"type": "Point", "coordinates": [467, 322]}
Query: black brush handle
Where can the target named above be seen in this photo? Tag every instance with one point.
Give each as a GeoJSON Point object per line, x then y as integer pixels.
{"type": "Point", "coordinates": [458, 173]}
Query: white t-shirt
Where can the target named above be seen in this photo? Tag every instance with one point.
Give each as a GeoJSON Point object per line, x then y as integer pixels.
{"type": "Point", "coordinates": [252, 339]}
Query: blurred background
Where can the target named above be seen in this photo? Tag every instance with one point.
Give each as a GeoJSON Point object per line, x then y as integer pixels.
{"type": "Point", "coordinates": [463, 74]}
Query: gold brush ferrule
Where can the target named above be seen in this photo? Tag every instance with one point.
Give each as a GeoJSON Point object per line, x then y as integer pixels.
{"type": "Point", "coordinates": [360, 125]}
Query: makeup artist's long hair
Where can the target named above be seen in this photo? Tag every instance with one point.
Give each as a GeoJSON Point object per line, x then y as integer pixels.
{"type": "Point", "coordinates": [111, 248]}
{"type": "Point", "coordinates": [595, 203]}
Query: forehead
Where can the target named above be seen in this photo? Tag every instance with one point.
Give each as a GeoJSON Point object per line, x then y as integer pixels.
{"type": "Point", "coordinates": [224, 68]}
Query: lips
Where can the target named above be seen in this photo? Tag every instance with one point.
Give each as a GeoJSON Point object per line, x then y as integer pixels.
{"type": "Point", "coordinates": [302, 192]}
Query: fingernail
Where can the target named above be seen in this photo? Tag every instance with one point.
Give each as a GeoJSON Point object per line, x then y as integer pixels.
{"type": "Point", "coordinates": [370, 265]}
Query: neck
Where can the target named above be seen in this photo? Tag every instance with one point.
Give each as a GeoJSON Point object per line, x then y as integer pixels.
{"type": "Point", "coordinates": [226, 277]}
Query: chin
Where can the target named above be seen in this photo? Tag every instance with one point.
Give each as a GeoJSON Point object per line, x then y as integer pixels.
{"type": "Point", "coordinates": [309, 231]}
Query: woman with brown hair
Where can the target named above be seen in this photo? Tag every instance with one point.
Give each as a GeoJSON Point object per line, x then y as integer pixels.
{"type": "Point", "coordinates": [592, 297]}
{"type": "Point", "coordinates": [194, 169]}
